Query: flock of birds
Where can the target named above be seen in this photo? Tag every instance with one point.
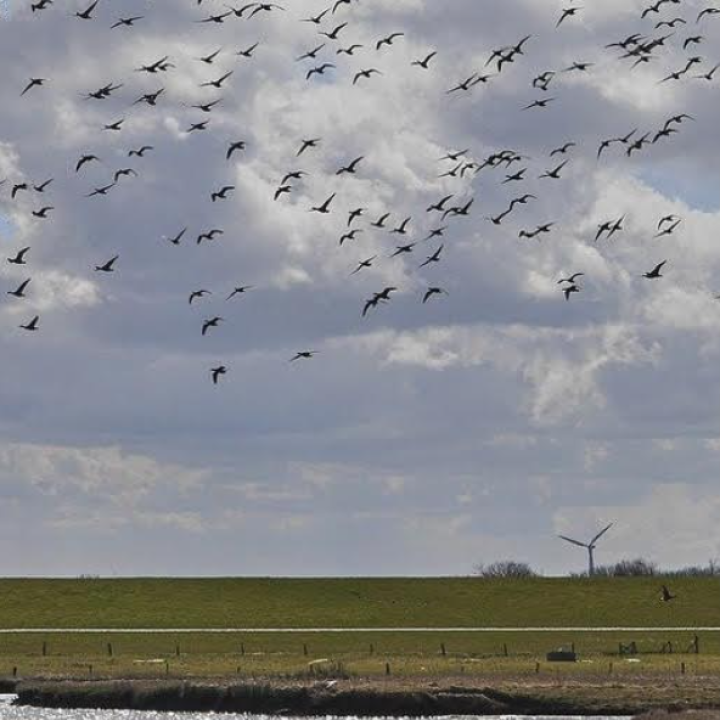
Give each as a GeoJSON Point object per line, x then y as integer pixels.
{"type": "Point", "coordinates": [334, 34]}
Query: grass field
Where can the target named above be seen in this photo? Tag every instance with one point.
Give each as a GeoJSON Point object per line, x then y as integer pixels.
{"type": "Point", "coordinates": [436, 602]}
{"type": "Point", "coordinates": [353, 603]}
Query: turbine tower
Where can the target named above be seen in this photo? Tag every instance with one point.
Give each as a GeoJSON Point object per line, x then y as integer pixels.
{"type": "Point", "coordinates": [589, 546]}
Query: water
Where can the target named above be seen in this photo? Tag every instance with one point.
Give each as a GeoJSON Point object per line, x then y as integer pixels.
{"type": "Point", "coordinates": [8, 712]}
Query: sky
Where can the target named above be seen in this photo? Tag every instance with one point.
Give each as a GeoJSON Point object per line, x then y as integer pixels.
{"type": "Point", "coordinates": [422, 439]}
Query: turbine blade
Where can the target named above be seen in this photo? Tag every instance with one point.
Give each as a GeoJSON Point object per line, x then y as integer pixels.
{"type": "Point", "coordinates": [600, 534]}
{"type": "Point", "coordinates": [574, 542]}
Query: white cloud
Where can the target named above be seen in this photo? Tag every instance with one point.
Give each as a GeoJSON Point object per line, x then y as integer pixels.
{"type": "Point", "coordinates": [111, 403]}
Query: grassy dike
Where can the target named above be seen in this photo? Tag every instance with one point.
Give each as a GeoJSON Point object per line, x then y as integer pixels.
{"type": "Point", "coordinates": [389, 672]}
{"type": "Point", "coordinates": [361, 602]}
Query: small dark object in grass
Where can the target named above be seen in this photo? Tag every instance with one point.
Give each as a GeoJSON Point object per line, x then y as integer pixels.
{"type": "Point", "coordinates": [562, 656]}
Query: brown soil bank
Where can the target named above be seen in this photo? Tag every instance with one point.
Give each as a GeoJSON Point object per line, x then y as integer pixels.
{"type": "Point", "coordinates": [368, 698]}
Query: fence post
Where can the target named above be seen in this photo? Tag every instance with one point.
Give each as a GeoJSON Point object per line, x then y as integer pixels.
{"type": "Point", "coordinates": [505, 649]}
{"type": "Point", "coordinates": [537, 668]}
{"type": "Point", "coordinates": [177, 651]}
{"type": "Point", "coordinates": [442, 649]}
{"type": "Point", "coordinates": [110, 649]}
{"type": "Point", "coordinates": [242, 648]}
{"type": "Point", "coordinates": [387, 668]}
{"type": "Point", "coordinates": [305, 649]}
{"type": "Point", "coordinates": [44, 648]}
{"type": "Point", "coordinates": [372, 649]}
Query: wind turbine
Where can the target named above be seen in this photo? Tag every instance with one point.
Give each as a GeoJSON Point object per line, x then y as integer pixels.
{"type": "Point", "coordinates": [590, 547]}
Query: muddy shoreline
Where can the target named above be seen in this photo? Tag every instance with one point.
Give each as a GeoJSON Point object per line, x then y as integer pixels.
{"type": "Point", "coordinates": [372, 698]}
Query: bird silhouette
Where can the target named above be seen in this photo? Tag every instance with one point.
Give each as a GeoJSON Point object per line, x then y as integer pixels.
{"type": "Point", "coordinates": [34, 82]}
{"type": "Point", "coordinates": [222, 193]}
{"type": "Point", "coordinates": [388, 40]}
{"type": "Point", "coordinates": [351, 168]}
{"type": "Point", "coordinates": [126, 22]}
{"type": "Point", "coordinates": [239, 291]}
{"type": "Point", "coordinates": [197, 295]}
{"type": "Point", "coordinates": [364, 265]}
{"type": "Point", "coordinates": [433, 291]}
{"type": "Point", "coordinates": [108, 266]}
{"type": "Point", "coordinates": [325, 207]}
{"type": "Point", "coordinates": [19, 258]}
{"type": "Point", "coordinates": [307, 144]}
{"type": "Point", "coordinates": [32, 325]}
{"type": "Point", "coordinates": [424, 63]}
{"type": "Point", "coordinates": [655, 273]}
{"type": "Point", "coordinates": [365, 74]}
{"type": "Point", "coordinates": [571, 280]}
{"type": "Point", "coordinates": [319, 70]}
{"type": "Point", "coordinates": [217, 373]}
{"type": "Point", "coordinates": [304, 355]}
{"type": "Point", "coordinates": [434, 258]}
{"type": "Point", "coordinates": [566, 13]}
{"type": "Point", "coordinates": [211, 323]}
{"type": "Point", "coordinates": [19, 292]}
{"type": "Point", "coordinates": [377, 298]}
{"type": "Point", "coordinates": [86, 14]}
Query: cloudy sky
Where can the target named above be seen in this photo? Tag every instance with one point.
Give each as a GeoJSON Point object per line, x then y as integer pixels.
{"type": "Point", "coordinates": [421, 439]}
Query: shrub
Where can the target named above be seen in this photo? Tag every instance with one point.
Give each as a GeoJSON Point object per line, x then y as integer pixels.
{"type": "Point", "coordinates": [505, 569]}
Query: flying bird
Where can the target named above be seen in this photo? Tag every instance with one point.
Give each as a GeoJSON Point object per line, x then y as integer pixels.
{"type": "Point", "coordinates": [87, 13]}
{"type": "Point", "coordinates": [571, 280]}
{"type": "Point", "coordinates": [365, 74]}
{"type": "Point", "coordinates": [655, 273]}
{"type": "Point", "coordinates": [217, 372]}
{"type": "Point", "coordinates": [325, 207]}
{"type": "Point", "coordinates": [304, 355]}
{"type": "Point", "coordinates": [424, 63]}
{"type": "Point", "coordinates": [211, 323]}
{"type": "Point", "coordinates": [364, 264]}
{"type": "Point", "coordinates": [351, 168]}
{"type": "Point", "coordinates": [108, 266]}
{"type": "Point", "coordinates": [34, 82]}
{"type": "Point", "coordinates": [234, 147]}
{"type": "Point", "coordinates": [19, 258]}
{"type": "Point", "coordinates": [32, 325]}
{"type": "Point", "coordinates": [388, 40]}
{"type": "Point", "coordinates": [566, 13]}
{"type": "Point", "coordinates": [197, 294]}
{"type": "Point", "coordinates": [433, 291]}
{"type": "Point", "coordinates": [320, 70]}
{"type": "Point", "coordinates": [126, 22]}
{"type": "Point", "coordinates": [239, 291]}
{"type": "Point", "coordinates": [19, 292]}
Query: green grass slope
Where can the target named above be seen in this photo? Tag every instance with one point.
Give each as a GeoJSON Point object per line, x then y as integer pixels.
{"type": "Point", "coordinates": [402, 602]}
